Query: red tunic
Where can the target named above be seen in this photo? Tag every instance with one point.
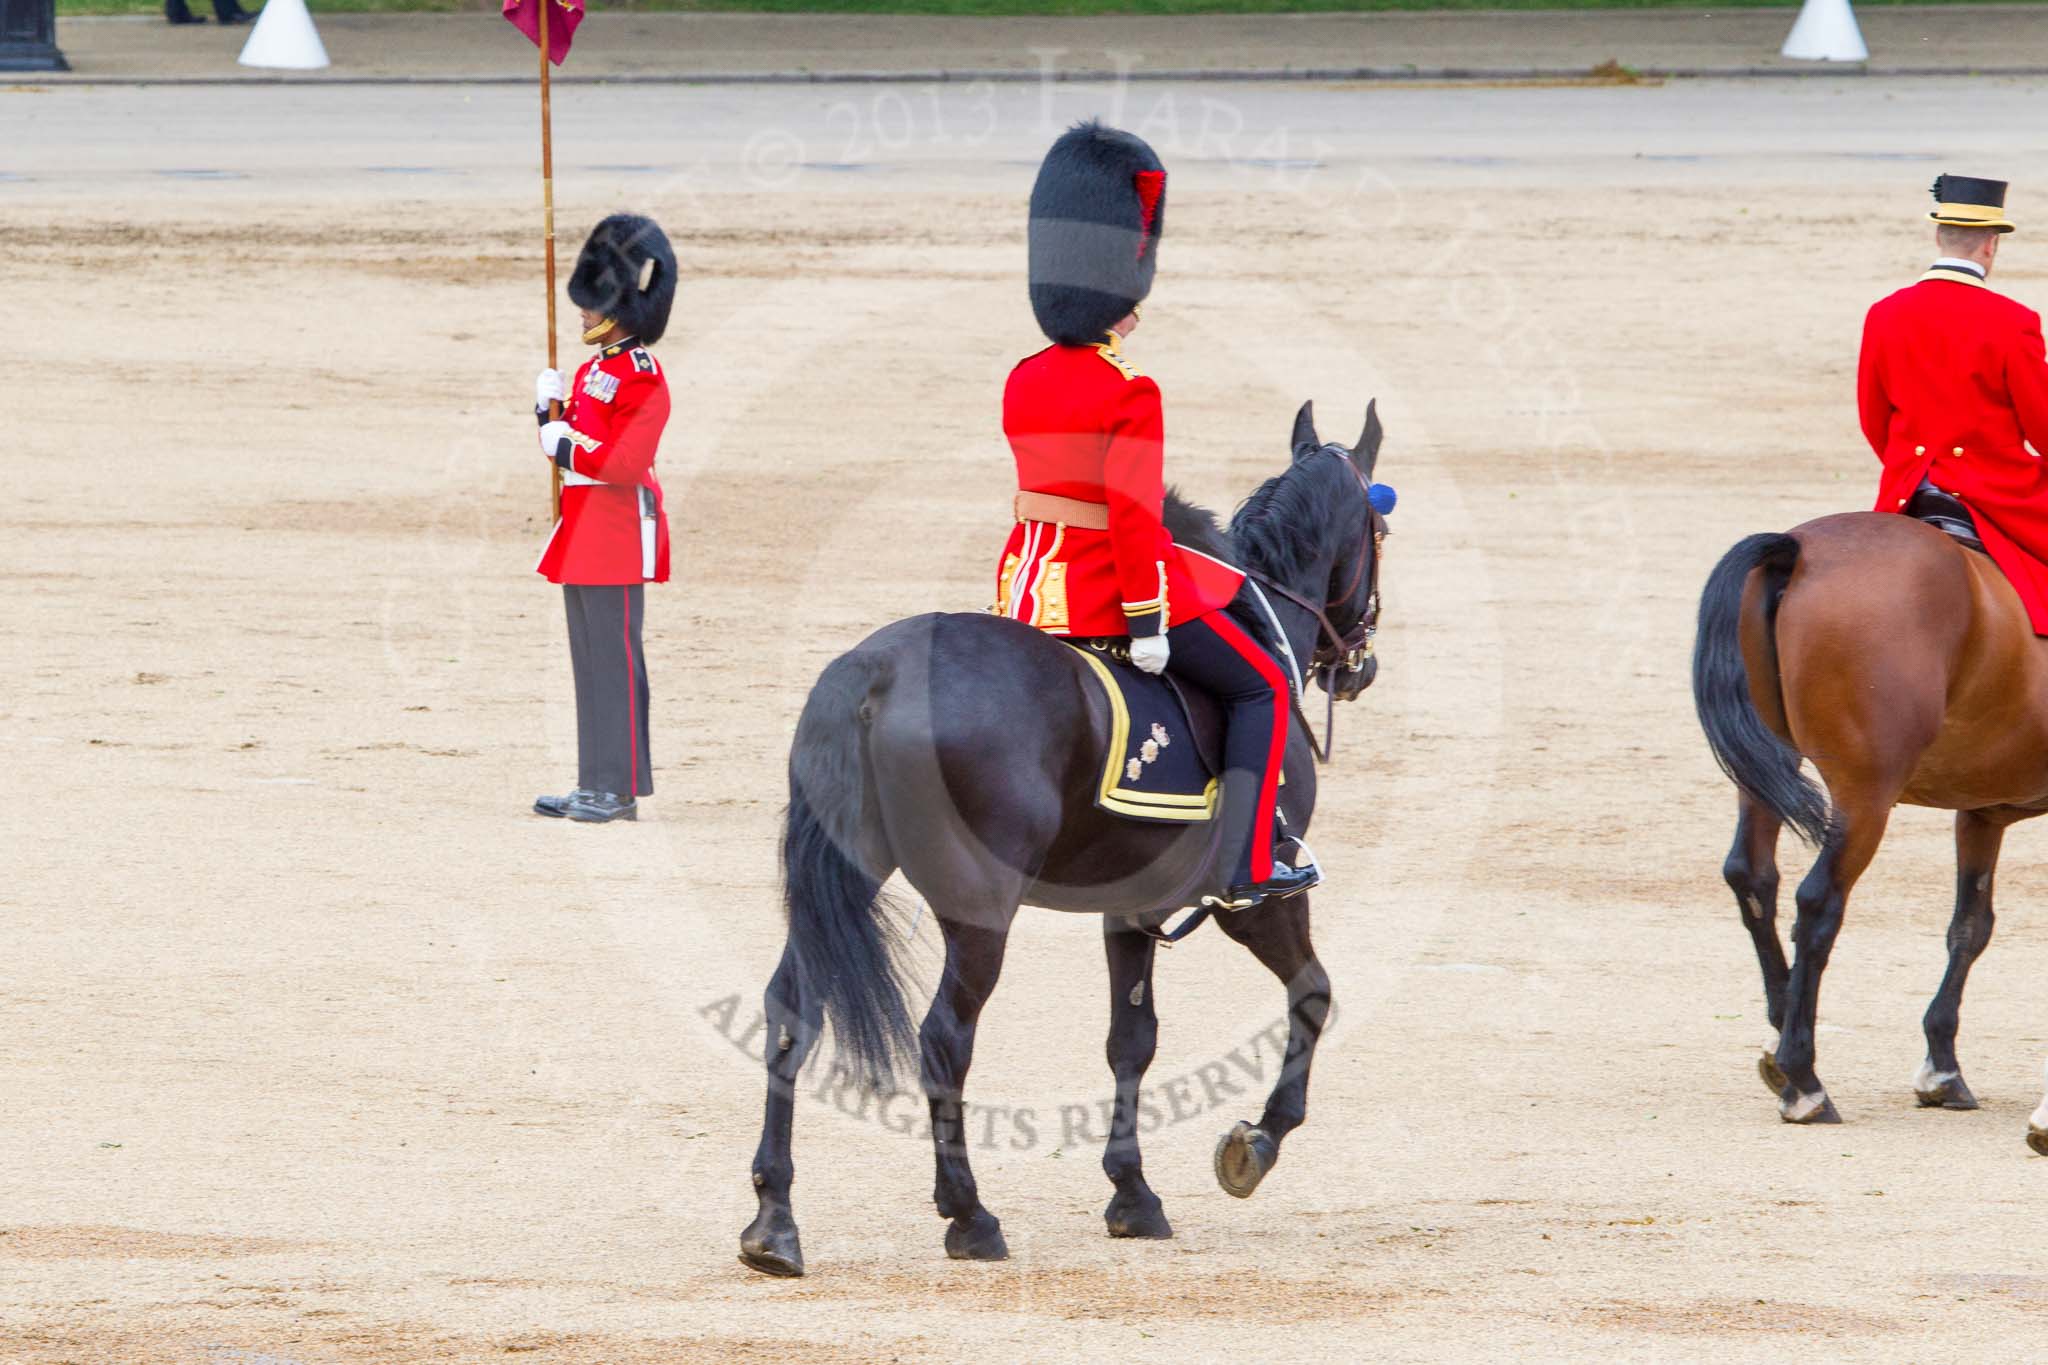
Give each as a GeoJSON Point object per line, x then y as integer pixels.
{"type": "Point", "coordinates": [1953, 388]}
{"type": "Point", "coordinates": [612, 528]}
{"type": "Point", "coordinates": [1084, 424]}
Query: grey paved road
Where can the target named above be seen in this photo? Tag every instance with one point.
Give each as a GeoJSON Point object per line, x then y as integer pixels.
{"type": "Point", "coordinates": [650, 143]}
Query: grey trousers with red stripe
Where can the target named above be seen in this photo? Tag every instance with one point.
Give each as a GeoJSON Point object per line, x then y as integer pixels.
{"type": "Point", "coordinates": [611, 687]}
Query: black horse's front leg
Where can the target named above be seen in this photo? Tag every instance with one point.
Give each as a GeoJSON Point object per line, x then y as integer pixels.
{"type": "Point", "coordinates": [1278, 936]}
{"type": "Point", "coordinates": [1134, 1210]}
{"type": "Point", "coordinates": [974, 959]}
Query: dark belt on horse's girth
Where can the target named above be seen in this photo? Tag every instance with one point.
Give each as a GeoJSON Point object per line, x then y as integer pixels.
{"type": "Point", "coordinates": [1348, 649]}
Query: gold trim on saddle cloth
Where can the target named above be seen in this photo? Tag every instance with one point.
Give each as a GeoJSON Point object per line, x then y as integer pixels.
{"type": "Point", "coordinates": [1112, 794]}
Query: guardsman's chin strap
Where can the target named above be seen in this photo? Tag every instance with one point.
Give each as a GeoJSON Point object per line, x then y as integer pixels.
{"type": "Point", "coordinates": [604, 325]}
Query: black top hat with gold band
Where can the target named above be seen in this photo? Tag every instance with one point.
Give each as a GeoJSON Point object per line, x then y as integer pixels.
{"type": "Point", "coordinates": [1965, 201]}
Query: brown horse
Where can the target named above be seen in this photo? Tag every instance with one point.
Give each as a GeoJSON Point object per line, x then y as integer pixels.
{"type": "Point", "coordinates": [1903, 666]}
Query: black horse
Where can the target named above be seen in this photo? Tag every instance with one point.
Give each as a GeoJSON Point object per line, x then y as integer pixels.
{"type": "Point", "coordinates": [965, 750]}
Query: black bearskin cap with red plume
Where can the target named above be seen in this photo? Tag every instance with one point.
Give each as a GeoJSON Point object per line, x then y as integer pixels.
{"type": "Point", "coordinates": [1097, 212]}
{"type": "Point", "coordinates": [627, 271]}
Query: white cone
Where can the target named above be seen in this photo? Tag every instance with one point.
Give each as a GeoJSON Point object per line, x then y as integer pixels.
{"type": "Point", "coordinates": [1825, 31]}
{"type": "Point", "coordinates": [284, 36]}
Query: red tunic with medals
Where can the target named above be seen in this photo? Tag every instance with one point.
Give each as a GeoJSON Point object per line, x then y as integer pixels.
{"type": "Point", "coordinates": [612, 528]}
{"type": "Point", "coordinates": [1083, 424]}
{"type": "Point", "coordinates": [1953, 388]}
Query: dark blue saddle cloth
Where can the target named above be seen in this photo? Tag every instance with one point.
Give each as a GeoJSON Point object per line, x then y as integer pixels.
{"type": "Point", "coordinates": [1164, 743]}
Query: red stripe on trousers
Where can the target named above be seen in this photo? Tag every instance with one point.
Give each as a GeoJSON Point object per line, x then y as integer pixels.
{"type": "Point", "coordinates": [1263, 663]}
{"type": "Point", "coordinates": [632, 693]}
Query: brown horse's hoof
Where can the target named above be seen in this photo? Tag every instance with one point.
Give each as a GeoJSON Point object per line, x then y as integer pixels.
{"type": "Point", "coordinates": [1776, 1081]}
{"type": "Point", "coordinates": [1816, 1108]}
{"type": "Point", "coordinates": [1243, 1156]}
{"type": "Point", "coordinates": [1137, 1216]}
{"type": "Point", "coordinates": [1942, 1090]}
{"type": "Point", "coordinates": [2037, 1138]}
{"type": "Point", "coordinates": [978, 1238]}
{"type": "Point", "coordinates": [770, 1245]}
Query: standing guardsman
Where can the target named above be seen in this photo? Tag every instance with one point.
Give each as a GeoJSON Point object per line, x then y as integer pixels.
{"type": "Point", "coordinates": [1088, 554]}
{"type": "Point", "coordinates": [611, 537]}
{"type": "Point", "coordinates": [1952, 388]}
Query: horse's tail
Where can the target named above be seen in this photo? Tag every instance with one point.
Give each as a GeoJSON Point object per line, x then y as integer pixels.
{"type": "Point", "coordinates": [1764, 766]}
{"type": "Point", "coordinates": [834, 859]}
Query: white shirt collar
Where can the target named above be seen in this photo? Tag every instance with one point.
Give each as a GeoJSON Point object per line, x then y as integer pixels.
{"type": "Point", "coordinates": [1958, 263]}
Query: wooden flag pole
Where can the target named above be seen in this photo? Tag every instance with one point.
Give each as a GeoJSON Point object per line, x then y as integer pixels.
{"type": "Point", "coordinates": [547, 191]}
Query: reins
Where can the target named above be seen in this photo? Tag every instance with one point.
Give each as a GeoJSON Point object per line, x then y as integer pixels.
{"type": "Point", "coordinates": [1335, 649]}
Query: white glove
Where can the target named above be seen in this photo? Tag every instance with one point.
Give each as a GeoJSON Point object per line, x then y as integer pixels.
{"type": "Point", "coordinates": [548, 388]}
{"type": "Point", "coordinates": [552, 434]}
{"type": "Point", "coordinates": [1150, 653]}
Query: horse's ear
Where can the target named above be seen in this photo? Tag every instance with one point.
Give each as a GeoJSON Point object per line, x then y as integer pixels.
{"type": "Point", "coordinates": [1367, 452]}
{"type": "Point", "coordinates": [1305, 441]}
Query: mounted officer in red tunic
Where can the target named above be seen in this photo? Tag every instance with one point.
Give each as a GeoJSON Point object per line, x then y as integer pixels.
{"type": "Point", "coordinates": [612, 537]}
{"type": "Point", "coordinates": [1952, 390]}
{"type": "Point", "coordinates": [1089, 554]}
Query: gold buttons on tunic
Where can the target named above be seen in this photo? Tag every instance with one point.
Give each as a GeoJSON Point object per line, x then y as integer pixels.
{"type": "Point", "coordinates": [1902, 502]}
{"type": "Point", "coordinates": [1919, 450]}
{"type": "Point", "coordinates": [1957, 451]}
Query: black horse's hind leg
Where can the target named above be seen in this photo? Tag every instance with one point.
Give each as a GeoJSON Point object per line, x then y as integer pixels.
{"type": "Point", "coordinates": [1940, 1081]}
{"type": "Point", "coordinates": [1752, 874]}
{"type": "Point", "coordinates": [794, 1020]}
{"type": "Point", "coordinates": [1134, 1210]}
{"type": "Point", "coordinates": [974, 959]}
{"type": "Point", "coordinates": [1278, 936]}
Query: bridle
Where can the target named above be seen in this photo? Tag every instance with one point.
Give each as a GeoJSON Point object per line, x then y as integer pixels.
{"type": "Point", "coordinates": [1337, 649]}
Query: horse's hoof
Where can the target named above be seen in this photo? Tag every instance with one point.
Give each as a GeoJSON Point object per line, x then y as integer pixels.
{"type": "Point", "coordinates": [1774, 1079]}
{"type": "Point", "coordinates": [1137, 1216]}
{"type": "Point", "coordinates": [1942, 1090]}
{"type": "Point", "coordinates": [979, 1238]}
{"type": "Point", "coordinates": [2037, 1138]}
{"type": "Point", "coordinates": [1815, 1108]}
{"type": "Point", "coordinates": [770, 1245]}
{"type": "Point", "coordinates": [1243, 1156]}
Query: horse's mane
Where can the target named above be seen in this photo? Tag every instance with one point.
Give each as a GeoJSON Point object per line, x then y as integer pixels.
{"type": "Point", "coordinates": [1275, 531]}
{"type": "Point", "coordinates": [1196, 527]}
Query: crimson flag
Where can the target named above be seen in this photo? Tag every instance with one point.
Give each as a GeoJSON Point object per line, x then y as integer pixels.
{"type": "Point", "coordinates": [562, 21]}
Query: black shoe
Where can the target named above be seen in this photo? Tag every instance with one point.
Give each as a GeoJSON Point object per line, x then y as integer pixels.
{"type": "Point", "coordinates": [1286, 881]}
{"type": "Point", "coordinates": [595, 808]}
{"type": "Point", "coordinates": [559, 805]}
{"type": "Point", "coordinates": [178, 14]}
{"type": "Point", "coordinates": [234, 15]}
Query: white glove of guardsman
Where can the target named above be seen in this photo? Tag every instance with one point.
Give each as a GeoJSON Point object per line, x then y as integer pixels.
{"type": "Point", "coordinates": [552, 434]}
{"type": "Point", "coordinates": [548, 388]}
{"type": "Point", "coordinates": [1150, 653]}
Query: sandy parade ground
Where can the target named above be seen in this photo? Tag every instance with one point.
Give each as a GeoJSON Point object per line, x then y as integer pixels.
{"type": "Point", "coordinates": [318, 1047]}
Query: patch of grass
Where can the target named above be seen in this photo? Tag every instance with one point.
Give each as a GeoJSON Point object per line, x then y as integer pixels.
{"type": "Point", "coordinates": [1000, 7]}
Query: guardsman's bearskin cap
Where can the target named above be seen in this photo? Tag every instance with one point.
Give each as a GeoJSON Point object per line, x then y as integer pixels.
{"type": "Point", "coordinates": [627, 271]}
{"type": "Point", "coordinates": [1097, 212]}
{"type": "Point", "coordinates": [1966, 201]}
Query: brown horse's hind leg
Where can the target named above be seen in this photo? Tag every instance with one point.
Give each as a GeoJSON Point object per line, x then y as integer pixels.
{"type": "Point", "coordinates": [1860, 815]}
{"type": "Point", "coordinates": [974, 959]}
{"type": "Point", "coordinates": [1940, 1080]}
{"type": "Point", "coordinates": [1134, 1210]}
{"type": "Point", "coordinates": [1278, 936]}
{"type": "Point", "coordinates": [1752, 874]}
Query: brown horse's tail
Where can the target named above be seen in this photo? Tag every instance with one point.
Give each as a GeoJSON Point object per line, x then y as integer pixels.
{"type": "Point", "coordinates": [842, 933]}
{"type": "Point", "coordinates": [1764, 766]}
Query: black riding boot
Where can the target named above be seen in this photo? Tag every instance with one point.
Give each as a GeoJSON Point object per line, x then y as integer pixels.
{"type": "Point", "coordinates": [176, 13]}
